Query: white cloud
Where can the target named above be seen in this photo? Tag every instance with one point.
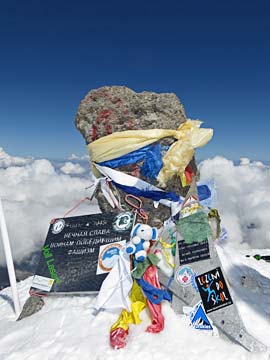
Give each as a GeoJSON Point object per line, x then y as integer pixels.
{"type": "Point", "coordinates": [244, 161]}
{"type": "Point", "coordinates": [72, 169]}
{"type": "Point", "coordinates": [32, 195]}
{"type": "Point", "coordinates": [73, 157]}
{"type": "Point", "coordinates": [85, 157]}
{"type": "Point", "coordinates": [7, 160]}
{"type": "Point", "coordinates": [258, 163]}
{"type": "Point", "coordinates": [76, 157]}
{"type": "Point", "coordinates": [243, 198]}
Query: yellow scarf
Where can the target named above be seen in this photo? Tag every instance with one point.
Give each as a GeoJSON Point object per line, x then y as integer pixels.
{"type": "Point", "coordinates": [189, 136]}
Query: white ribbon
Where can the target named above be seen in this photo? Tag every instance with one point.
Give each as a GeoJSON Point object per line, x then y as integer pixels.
{"type": "Point", "coordinates": [125, 179]}
{"type": "Point", "coordinates": [107, 192]}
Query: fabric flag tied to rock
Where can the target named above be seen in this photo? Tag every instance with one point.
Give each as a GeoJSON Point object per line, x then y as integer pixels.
{"type": "Point", "coordinates": [189, 136]}
{"type": "Point", "coordinates": [141, 188]}
{"type": "Point", "coordinates": [194, 228]}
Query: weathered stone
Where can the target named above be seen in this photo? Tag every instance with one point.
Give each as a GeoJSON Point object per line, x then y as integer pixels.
{"type": "Point", "coordinates": [118, 108]}
{"type": "Point", "coordinates": [32, 305]}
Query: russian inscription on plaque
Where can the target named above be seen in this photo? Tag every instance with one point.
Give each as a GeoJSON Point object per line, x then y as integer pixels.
{"type": "Point", "coordinates": [80, 251]}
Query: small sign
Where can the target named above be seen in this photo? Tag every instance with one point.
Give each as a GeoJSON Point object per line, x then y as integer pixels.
{"type": "Point", "coordinates": [184, 276]}
{"type": "Point", "coordinates": [123, 221]}
{"type": "Point", "coordinates": [80, 251]}
{"type": "Point", "coordinates": [42, 283]}
{"type": "Point", "coordinates": [189, 253]}
{"type": "Point", "coordinates": [199, 319]}
{"type": "Point", "coordinates": [213, 290]}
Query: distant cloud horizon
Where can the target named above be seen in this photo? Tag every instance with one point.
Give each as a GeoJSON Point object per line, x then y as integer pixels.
{"type": "Point", "coordinates": [36, 190]}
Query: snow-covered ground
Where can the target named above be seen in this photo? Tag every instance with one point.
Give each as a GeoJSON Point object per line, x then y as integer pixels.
{"type": "Point", "coordinates": [34, 191]}
{"type": "Point", "coordinates": [66, 329]}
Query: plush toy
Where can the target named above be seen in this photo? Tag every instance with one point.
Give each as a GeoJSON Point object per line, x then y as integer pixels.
{"type": "Point", "coordinates": [141, 235]}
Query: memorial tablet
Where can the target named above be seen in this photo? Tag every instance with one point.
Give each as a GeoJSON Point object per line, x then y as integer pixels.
{"type": "Point", "coordinates": [80, 251]}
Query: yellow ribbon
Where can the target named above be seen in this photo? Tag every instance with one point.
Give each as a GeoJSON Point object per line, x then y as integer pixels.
{"type": "Point", "coordinates": [138, 303]}
{"type": "Point", "coordinates": [165, 252]}
{"type": "Point", "coordinates": [189, 136]}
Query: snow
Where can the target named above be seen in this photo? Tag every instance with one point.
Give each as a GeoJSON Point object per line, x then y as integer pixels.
{"type": "Point", "coordinates": [33, 192]}
{"type": "Point", "coordinates": [66, 329]}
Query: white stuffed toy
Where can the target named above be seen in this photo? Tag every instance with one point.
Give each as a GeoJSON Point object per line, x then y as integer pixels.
{"type": "Point", "coordinates": [141, 235]}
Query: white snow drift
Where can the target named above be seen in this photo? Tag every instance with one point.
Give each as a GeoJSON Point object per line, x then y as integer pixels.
{"type": "Point", "coordinates": [65, 328]}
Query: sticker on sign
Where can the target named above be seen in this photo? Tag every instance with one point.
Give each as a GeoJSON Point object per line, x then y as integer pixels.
{"type": "Point", "coordinates": [42, 283]}
{"type": "Point", "coordinates": [108, 255]}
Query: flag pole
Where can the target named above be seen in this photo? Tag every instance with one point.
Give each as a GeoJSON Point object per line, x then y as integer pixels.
{"type": "Point", "coordinates": [9, 261]}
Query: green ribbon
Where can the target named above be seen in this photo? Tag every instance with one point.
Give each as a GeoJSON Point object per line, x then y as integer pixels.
{"type": "Point", "coordinates": [141, 267]}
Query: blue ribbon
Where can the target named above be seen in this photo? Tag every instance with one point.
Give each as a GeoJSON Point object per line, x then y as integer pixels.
{"type": "Point", "coordinates": [151, 154]}
{"type": "Point", "coordinates": [127, 159]}
{"type": "Point", "coordinates": [152, 293]}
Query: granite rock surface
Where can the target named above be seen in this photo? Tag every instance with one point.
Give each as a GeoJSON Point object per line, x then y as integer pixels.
{"type": "Point", "coordinates": [117, 108]}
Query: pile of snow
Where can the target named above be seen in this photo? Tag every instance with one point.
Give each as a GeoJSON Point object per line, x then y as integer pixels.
{"type": "Point", "coordinates": [65, 328]}
{"type": "Point", "coordinates": [34, 192]}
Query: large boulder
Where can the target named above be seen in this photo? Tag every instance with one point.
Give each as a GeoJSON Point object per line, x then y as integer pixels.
{"type": "Point", "coordinates": [118, 108]}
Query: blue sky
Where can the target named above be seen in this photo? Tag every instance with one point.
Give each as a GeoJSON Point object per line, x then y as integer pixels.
{"type": "Point", "coordinates": [214, 55]}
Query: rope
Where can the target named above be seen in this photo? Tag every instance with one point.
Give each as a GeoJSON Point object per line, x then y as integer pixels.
{"type": "Point", "coordinates": [72, 209]}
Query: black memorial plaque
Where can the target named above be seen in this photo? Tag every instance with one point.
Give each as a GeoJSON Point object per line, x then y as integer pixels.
{"type": "Point", "coordinates": [189, 253]}
{"type": "Point", "coordinates": [213, 290]}
{"type": "Point", "coordinates": [80, 251]}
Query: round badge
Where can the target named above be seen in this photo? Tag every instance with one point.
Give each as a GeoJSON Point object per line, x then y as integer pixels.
{"type": "Point", "coordinates": [58, 226]}
{"type": "Point", "coordinates": [184, 276]}
{"type": "Point", "coordinates": [108, 256]}
{"type": "Point", "coordinates": [123, 221]}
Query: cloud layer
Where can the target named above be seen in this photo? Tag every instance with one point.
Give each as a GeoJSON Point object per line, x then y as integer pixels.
{"type": "Point", "coordinates": [32, 195]}
{"type": "Point", "coordinates": [7, 160]}
{"type": "Point", "coordinates": [72, 169]}
{"type": "Point", "coordinates": [243, 199]}
{"type": "Point", "coordinates": [35, 191]}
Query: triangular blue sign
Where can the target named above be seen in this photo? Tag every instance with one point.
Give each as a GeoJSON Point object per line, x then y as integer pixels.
{"type": "Point", "coordinates": [200, 321]}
